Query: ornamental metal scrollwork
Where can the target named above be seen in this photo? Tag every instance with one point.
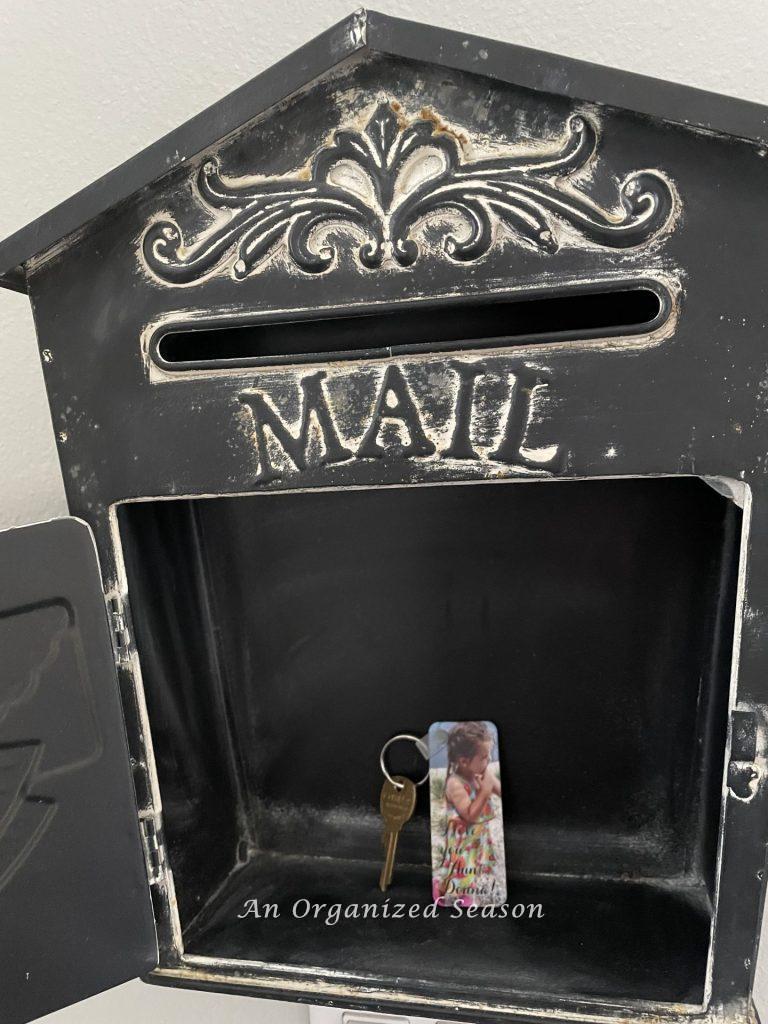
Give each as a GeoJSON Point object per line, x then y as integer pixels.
{"type": "Point", "coordinates": [384, 181]}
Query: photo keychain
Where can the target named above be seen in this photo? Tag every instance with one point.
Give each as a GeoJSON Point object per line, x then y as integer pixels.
{"type": "Point", "coordinates": [467, 833]}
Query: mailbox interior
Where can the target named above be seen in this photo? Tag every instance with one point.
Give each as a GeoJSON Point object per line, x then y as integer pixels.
{"type": "Point", "coordinates": [284, 637]}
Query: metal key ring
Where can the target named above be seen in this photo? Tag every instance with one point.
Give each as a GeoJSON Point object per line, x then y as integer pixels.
{"type": "Point", "coordinates": [419, 747]}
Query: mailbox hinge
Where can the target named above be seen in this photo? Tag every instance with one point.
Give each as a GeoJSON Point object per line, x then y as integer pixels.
{"type": "Point", "coordinates": [120, 636]}
{"type": "Point", "coordinates": [743, 767]}
{"type": "Point", "coordinates": [154, 849]}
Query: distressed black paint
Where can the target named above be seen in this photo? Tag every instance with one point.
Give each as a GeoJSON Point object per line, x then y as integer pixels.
{"type": "Point", "coordinates": [313, 401]}
{"type": "Point", "coordinates": [686, 399]}
{"type": "Point", "coordinates": [402, 410]}
{"type": "Point", "coordinates": [526, 383]}
{"type": "Point", "coordinates": [461, 442]}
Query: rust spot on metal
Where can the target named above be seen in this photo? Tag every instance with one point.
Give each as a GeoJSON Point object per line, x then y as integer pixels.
{"type": "Point", "coordinates": [442, 127]}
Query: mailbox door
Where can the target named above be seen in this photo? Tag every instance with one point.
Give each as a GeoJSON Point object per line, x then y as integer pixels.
{"type": "Point", "coordinates": [75, 911]}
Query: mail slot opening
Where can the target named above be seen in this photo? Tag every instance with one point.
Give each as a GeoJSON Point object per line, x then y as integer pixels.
{"type": "Point", "coordinates": [284, 637]}
{"type": "Point", "coordinates": [615, 311]}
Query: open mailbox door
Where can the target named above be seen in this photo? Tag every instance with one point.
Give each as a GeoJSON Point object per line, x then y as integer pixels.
{"type": "Point", "coordinates": [74, 900]}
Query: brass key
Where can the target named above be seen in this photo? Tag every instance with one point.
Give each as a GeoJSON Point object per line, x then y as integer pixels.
{"type": "Point", "coordinates": [397, 804]}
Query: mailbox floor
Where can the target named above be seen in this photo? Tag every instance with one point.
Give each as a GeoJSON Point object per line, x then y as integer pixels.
{"type": "Point", "coordinates": [605, 940]}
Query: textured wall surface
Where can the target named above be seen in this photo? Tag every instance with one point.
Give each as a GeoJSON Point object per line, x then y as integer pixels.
{"type": "Point", "coordinates": [85, 85]}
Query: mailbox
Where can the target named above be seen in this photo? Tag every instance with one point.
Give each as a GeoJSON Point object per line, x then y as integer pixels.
{"type": "Point", "coordinates": [424, 377]}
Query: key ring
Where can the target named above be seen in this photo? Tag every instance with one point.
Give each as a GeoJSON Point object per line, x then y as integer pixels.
{"type": "Point", "coordinates": [420, 746]}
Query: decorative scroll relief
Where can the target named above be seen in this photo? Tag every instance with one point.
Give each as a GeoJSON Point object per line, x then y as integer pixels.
{"type": "Point", "coordinates": [386, 181]}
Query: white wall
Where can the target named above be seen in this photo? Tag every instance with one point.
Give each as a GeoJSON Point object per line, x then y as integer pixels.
{"type": "Point", "coordinates": [84, 84]}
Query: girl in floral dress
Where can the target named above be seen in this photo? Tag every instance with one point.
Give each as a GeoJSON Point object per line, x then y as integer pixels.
{"type": "Point", "coordinates": [469, 860]}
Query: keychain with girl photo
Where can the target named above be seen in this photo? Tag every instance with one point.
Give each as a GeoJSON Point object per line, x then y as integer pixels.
{"type": "Point", "coordinates": [468, 864]}
{"type": "Point", "coordinates": [467, 833]}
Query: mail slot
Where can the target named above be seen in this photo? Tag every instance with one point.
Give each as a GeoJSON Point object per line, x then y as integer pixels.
{"type": "Point", "coordinates": [419, 381]}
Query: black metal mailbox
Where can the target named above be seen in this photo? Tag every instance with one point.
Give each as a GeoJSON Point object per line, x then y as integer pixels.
{"type": "Point", "coordinates": [423, 377]}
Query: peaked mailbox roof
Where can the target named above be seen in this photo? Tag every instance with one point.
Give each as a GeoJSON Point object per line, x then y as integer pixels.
{"type": "Point", "coordinates": [369, 32]}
